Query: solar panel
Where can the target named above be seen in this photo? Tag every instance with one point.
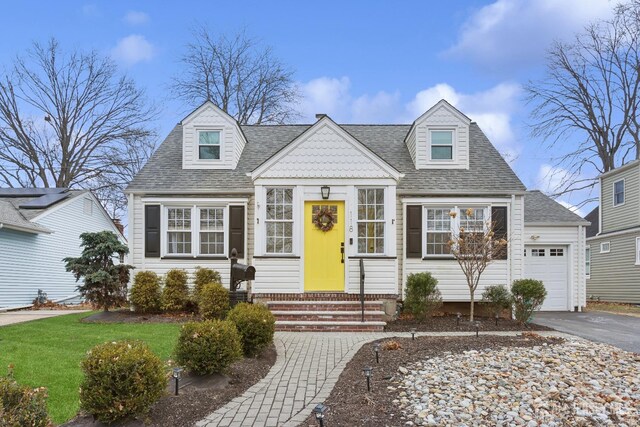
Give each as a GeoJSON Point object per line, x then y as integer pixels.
{"type": "Point", "coordinates": [44, 201]}
{"type": "Point", "coordinates": [29, 192]}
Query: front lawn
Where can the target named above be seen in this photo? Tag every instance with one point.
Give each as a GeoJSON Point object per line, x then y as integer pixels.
{"type": "Point", "coordinates": [48, 353]}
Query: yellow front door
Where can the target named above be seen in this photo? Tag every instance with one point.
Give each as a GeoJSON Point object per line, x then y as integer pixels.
{"type": "Point", "coordinates": [323, 250]}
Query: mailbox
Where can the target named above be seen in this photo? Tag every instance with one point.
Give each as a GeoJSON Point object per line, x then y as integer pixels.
{"type": "Point", "coordinates": [243, 272]}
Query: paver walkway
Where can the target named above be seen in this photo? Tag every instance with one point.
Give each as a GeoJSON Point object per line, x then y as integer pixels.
{"type": "Point", "coordinates": [305, 372]}
{"type": "Point", "coordinates": [11, 317]}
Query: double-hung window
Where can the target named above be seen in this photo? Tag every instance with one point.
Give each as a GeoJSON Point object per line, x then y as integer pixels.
{"type": "Point", "coordinates": [618, 193]}
{"type": "Point", "coordinates": [438, 231]}
{"type": "Point", "coordinates": [587, 261]}
{"type": "Point", "coordinates": [209, 145]}
{"type": "Point", "coordinates": [371, 222]}
{"type": "Point", "coordinates": [279, 221]}
{"type": "Point", "coordinates": [211, 231]}
{"type": "Point", "coordinates": [178, 231]}
{"type": "Point", "coordinates": [441, 144]}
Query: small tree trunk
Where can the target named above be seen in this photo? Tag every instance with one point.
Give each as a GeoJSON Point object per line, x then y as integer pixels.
{"type": "Point", "coordinates": [471, 293]}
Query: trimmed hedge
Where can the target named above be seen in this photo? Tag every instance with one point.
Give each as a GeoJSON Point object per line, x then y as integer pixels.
{"type": "Point", "coordinates": [21, 405]}
{"type": "Point", "coordinates": [423, 296]}
{"type": "Point", "coordinates": [208, 347]}
{"type": "Point", "coordinates": [528, 296]}
{"type": "Point", "coordinates": [121, 379]}
{"type": "Point", "coordinates": [213, 301]}
{"type": "Point", "coordinates": [256, 325]}
{"type": "Point", "coordinates": [175, 296]}
{"type": "Point", "coordinates": [146, 294]}
{"type": "Point", "coordinates": [497, 298]}
{"type": "Point", "coordinates": [204, 276]}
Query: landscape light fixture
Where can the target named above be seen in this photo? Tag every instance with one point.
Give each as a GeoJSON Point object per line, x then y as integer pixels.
{"type": "Point", "coordinates": [176, 374]}
{"type": "Point", "coordinates": [413, 334]}
{"type": "Point", "coordinates": [497, 317]}
{"type": "Point", "coordinates": [458, 316]}
{"type": "Point", "coordinates": [376, 348]}
{"type": "Point", "coordinates": [367, 373]}
{"type": "Point", "coordinates": [477, 326]}
{"type": "Point", "coordinates": [319, 411]}
{"type": "Point", "coordinates": [325, 190]}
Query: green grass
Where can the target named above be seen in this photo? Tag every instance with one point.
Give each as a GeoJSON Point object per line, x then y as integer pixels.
{"type": "Point", "coordinates": [47, 353]}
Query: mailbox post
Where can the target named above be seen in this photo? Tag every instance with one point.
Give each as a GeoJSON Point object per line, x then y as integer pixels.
{"type": "Point", "coordinates": [238, 274]}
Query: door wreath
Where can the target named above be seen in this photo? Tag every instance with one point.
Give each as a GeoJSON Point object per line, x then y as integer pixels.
{"type": "Point", "coordinates": [323, 219]}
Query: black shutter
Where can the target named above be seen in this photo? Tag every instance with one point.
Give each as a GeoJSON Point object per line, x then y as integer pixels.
{"type": "Point", "coordinates": [414, 232]}
{"type": "Point", "coordinates": [152, 231]}
{"type": "Point", "coordinates": [500, 228]}
{"type": "Point", "coordinates": [236, 229]}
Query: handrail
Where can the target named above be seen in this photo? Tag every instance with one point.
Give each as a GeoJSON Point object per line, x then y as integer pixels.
{"type": "Point", "coordinates": [362, 287]}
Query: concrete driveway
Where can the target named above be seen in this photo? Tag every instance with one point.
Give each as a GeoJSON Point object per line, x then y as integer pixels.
{"type": "Point", "coordinates": [615, 329]}
{"type": "Point", "coordinates": [12, 317]}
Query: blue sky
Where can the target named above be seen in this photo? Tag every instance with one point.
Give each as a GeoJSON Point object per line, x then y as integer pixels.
{"type": "Point", "coordinates": [358, 61]}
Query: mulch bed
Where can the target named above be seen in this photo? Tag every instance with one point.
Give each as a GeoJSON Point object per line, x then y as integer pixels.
{"type": "Point", "coordinates": [128, 316]}
{"type": "Point", "coordinates": [448, 323]}
{"type": "Point", "coordinates": [199, 399]}
{"type": "Point", "coordinates": [351, 405]}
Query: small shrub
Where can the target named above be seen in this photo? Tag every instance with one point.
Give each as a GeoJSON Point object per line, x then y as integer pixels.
{"type": "Point", "coordinates": [213, 301]}
{"type": "Point", "coordinates": [22, 405]}
{"type": "Point", "coordinates": [208, 347]}
{"type": "Point", "coordinates": [528, 296]}
{"type": "Point", "coordinates": [423, 296]}
{"type": "Point", "coordinates": [146, 295]}
{"type": "Point", "coordinates": [256, 326]}
{"type": "Point", "coordinates": [391, 345]}
{"type": "Point", "coordinates": [202, 277]}
{"type": "Point", "coordinates": [121, 379]}
{"type": "Point", "coordinates": [497, 298]}
{"type": "Point", "coordinates": [175, 296]}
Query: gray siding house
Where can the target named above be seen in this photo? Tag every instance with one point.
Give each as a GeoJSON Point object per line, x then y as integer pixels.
{"type": "Point", "coordinates": [38, 228]}
{"type": "Point", "coordinates": [613, 239]}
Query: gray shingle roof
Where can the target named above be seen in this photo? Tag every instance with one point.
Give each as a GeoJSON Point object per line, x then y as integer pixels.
{"type": "Point", "coordinates": [10, 217]}
{"type": "Point", "coordinates": [594, 218]}
{"type": "Point", "coordinates": [488, 172]}
{"type": "Point", "coordinates": [540, 208]}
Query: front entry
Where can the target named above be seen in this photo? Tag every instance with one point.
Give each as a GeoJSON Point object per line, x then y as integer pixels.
{"type": "Point", "coordinates": [324, 250]}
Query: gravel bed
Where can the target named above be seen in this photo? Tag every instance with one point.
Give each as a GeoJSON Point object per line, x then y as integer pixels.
{"type": "Point", "coordinates": [578, 383]}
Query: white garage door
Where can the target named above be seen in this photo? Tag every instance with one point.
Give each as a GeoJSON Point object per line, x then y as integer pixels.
{"type": "Point", "coordinates": [551, 265]}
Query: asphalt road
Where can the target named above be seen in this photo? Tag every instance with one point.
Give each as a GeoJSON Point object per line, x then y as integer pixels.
{"type": "Point", "coordinates": [615, 329]}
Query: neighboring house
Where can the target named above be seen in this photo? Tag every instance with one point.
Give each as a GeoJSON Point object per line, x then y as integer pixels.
{"type": "Point", "coordinates": [613, 239]}
{"type": "Point", "coordinates": [214, 185]}
{"type": "Point", "coordinates": [38, 228]}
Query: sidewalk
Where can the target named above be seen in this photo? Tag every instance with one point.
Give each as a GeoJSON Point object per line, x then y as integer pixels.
{"type": "Point", "coordinates": [13, 317]}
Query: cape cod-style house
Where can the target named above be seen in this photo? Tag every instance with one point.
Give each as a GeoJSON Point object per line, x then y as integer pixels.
{"type": "Point", "coordinates": [214, 185]}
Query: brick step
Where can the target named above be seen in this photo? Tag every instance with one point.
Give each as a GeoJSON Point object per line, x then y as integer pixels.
{"type": "Point", "coordinates": [324, 305]}
{"type": "Point", "coordinates": [335, 326]}
{"type": "Point", "coordinates": [325, 315]}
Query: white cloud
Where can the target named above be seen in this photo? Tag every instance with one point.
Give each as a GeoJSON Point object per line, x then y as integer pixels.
{"type": "Point", "coordinates": [134, 17]}
{"type": "Point", "coordinates": [133, 49]}
{"type": "Point", "coordinates": [508, 34]}
{"type": "Point", "coordinates": [572, 208]}
{"type": "Point", "coordinates": [552, 179]}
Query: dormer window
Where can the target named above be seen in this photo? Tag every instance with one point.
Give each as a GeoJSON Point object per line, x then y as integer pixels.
{"type": "Point", "coordinates": [441, 144]}
{"type": "Point", "coordinates": [209, 145]}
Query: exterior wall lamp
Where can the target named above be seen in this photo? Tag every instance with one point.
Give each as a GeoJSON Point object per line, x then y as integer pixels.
{"type": "Point", "coordinates": [325, 190]}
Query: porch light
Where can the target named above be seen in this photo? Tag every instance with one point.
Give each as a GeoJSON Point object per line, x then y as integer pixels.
{"type": "Point", "coordinates": [325, 190]}
{"type": "Point", "coordinates": [376, 348]}
{"type": "Point", "coordinates": [176, 374]}
{"type": "Point", "coordinates": [413, 333]}
{"type": "Point", "coordinates": [319, 411]}
{"type": "Point", "coordinates": [367, 373]}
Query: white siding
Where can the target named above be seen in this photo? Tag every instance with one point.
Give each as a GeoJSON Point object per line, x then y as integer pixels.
{"type": "Point", "coordinates": [277, 275]}
{"type": "Point", "coordinates": [30, 262]}
{"type": "Point", "coordinates": [380, 276]}
{"type": "Point", "coordinates": [209, 117]}
{"type": "Point", "coordinates": [411, 144]}
{"type": "Point", "coordinates": [442, 116]}
{"type": "Point", "coordinates": [572, 237]}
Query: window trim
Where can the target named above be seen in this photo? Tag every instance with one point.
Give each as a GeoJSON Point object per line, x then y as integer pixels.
{"type": "Point", "coordinates": [430, 145]}
{"type": "Point", "coordinates": [587, 261]}
{"type": "Point", "coordinates": [197, 145]}
{"type": "Point", "coordinates": [602, 251]}
{"type": "Point", "coordinates": [382, 221]}
{"type": "Point", "coordinates": [624, 191]}
{"type": "Point", "coordinates": [195, 230]}
{"type": "Point", "coordinates": [265, 221]}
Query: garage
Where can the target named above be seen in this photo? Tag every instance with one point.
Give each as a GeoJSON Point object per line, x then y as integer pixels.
{"type": "Point", "coordinates": [551, 265]}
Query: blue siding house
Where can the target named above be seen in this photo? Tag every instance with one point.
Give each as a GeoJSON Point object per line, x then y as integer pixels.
{"type": "Point", "coordinates": [38, 228]}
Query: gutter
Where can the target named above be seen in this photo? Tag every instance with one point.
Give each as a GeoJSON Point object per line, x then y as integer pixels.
{"type": "Point", "coordinates": [181, 192]}
{"type": "Point", "coordinates": [25, 229]}
{"type": "Point", "coordinates": [458, 193]}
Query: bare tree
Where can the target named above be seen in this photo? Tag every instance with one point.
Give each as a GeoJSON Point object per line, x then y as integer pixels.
{"type": "Point", "coordinates": [591, 91]}
{"type": "Point", "coordinates": [69, 120]}
{"type": "Point", "coordinates": [474, 249]}
{"type": "Point", "coordinates": [239, 75]}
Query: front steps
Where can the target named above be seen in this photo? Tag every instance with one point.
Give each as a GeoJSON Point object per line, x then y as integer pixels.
{"type": "Point", "coordinates": [337, 316]}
